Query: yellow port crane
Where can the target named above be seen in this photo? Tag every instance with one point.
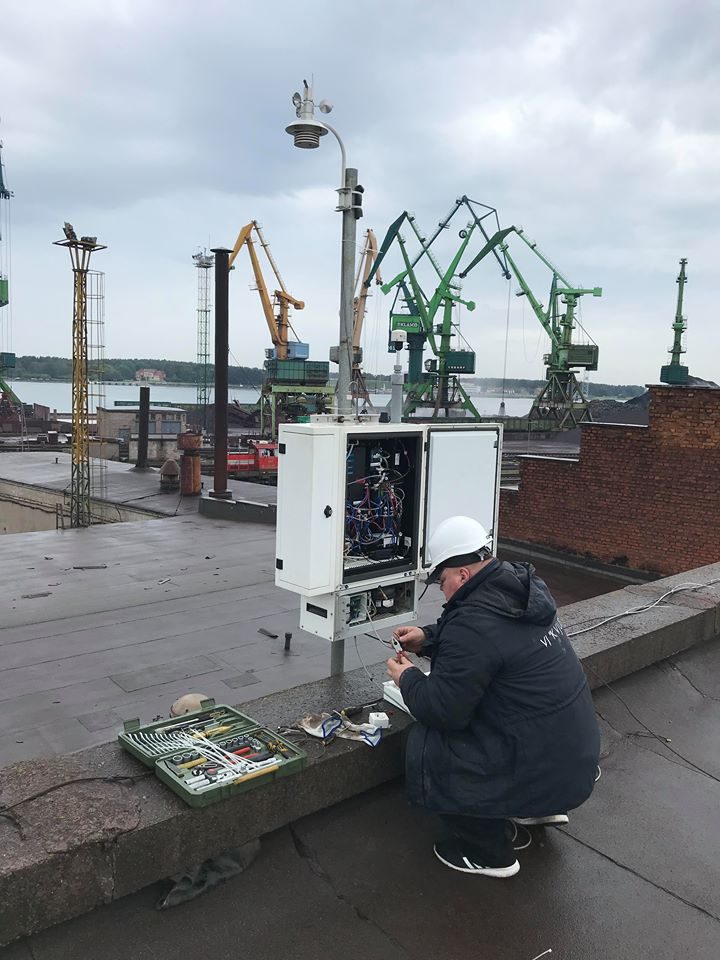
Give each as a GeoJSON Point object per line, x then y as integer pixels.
{"type": "Point", "coordinates": [277, 309]}
{"type": "Point", "coordinates": [367, 260]}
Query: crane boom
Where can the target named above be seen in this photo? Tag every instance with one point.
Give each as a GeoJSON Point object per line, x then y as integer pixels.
{"type": "Point", "coordinates": [277, 310]}
{"type": "Point", "coordinates": [266, 247]}
{"type": "Point", "coordinates": [558, 338]}
{"type": "Point", "coordinates": [561, 399]}
{"type": "Point", "coordinates": [369, 255]}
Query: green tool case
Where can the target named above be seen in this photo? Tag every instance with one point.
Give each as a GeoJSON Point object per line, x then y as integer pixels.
{"type": "Point", "coordinates": [174, 749]}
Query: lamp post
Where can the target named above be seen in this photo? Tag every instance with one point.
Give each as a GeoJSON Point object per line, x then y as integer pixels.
{"type": "Point", "coordinates": [306, 132]}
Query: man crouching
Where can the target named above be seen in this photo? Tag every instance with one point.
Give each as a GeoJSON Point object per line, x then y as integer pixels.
{"type": "Point", "coordinates": [506, 728]}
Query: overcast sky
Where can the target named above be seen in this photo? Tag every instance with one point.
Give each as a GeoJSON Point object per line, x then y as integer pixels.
{"type": "Point", "coordinates": [159, 127]}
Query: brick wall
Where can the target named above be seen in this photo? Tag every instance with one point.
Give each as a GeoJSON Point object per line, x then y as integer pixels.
{"type": "Point", "coordinates": [643, 497]}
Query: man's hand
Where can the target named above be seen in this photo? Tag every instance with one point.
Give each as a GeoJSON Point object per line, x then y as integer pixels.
{"type": "Point", "coordinates": [396, 666]}
{"type": "Point", "coordinates": [411, 638]}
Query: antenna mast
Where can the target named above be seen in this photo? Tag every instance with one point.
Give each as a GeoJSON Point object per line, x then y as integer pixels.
{"type": "Point", "coordinates": [675, 372]}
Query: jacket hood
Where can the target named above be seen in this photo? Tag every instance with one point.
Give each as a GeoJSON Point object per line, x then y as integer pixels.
{"type": "Point", "coordinates": [511, 590]}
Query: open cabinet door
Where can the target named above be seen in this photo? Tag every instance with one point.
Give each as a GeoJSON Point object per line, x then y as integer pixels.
{"type": "Point", "coordinates": [463, 478]}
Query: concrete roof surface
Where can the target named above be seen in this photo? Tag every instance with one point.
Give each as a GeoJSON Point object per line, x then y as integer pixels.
{"type": "Point", "coordinates": [636, 874]}
{"type": "Point", "coordinates": [162, 607]}
{"type": "Point", "coordinates": [124, 484]}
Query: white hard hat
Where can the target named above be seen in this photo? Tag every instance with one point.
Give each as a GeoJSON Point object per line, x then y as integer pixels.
{"type": "Point", "coordinates": [190, 703]}
{"type": "Point", "coordinates": [456, 537]}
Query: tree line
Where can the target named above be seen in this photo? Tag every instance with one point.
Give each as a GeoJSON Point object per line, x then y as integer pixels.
{"type": "Point", "coordinates": [116, 369]}
{"type": "Point", "coordinates": [531, 387]}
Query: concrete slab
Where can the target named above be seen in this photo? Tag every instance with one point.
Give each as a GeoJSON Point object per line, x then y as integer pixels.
{"type": "Point", "coordinates": [643, 850]}
{"type": "Point", "coordinates": [567, 897]}
{"type": "Point", "coordinates": [614, 636]}
{"type": "Point", "coordinates": [664, 701]}
{"type": "Point", "coordinates": [165, 673]}
{"type": "Point", "coordinates": [124, 484]}
{"type": "Point", "coordinates": [241, 680]}
{"type": "Point", "coordinates": [101, 720]}
{"type": "Point", "coordinates": [306, 921]}
{"type": "Point", "coordinates": [360, 880]}
{"type": "Point", "coordinates": [701, 669]}
{"type": "Point", "coordinates": [116, 641]}
{"type": "Point", "coordinates": [174, 591]}
{"type": "Point", "coordinates": [659, 819]}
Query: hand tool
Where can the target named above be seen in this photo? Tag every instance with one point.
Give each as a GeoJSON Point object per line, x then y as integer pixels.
{"type": "Point", "coordinates": [201, 718]}
{"type": "Point", "coordinates": [213, 730]}
{"type": "Point", "coordinates": [245, 752]}
{"type": "Point", "coordinates": [268, 767]}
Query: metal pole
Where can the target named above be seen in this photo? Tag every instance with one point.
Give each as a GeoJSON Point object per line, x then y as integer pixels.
{"type": "Point", "coordinates": [345, 355]}
{"type": "Point", "coordinates": [143, 428]}
{"type": "Point", "coordinates": [347, 285]}
{"type": "Point", "coordinates": [337, 658]}
{"type": "Point", "coordinates": [396, 398]}
{"type": "Point", "coordinates": [222, 344]}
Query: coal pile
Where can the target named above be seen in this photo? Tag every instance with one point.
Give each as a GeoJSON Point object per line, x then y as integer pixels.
{"type": "Point", "coordinates": [633, 411]}
{"type": "Point", "coordinates": [636, 409]}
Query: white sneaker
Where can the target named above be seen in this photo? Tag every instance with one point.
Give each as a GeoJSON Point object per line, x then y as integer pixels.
{"type": "Point", "coordinates": [555, 820]}
{"type": "Point", "coordinates": [452, 856]}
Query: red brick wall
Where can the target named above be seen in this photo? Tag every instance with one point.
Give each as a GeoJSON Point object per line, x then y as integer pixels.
{"type": "Point", "coordinates": [644, 497]}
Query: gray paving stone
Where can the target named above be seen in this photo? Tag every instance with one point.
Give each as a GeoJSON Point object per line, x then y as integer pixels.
{"type": "Point", "coordinates": [35, 709]}
{"type": "Point", "coordinates": [147, 620]}
{"type": "Point", "coordinates": [100, 720]}
{"type": "Point", "coordinates": [241, 680]}
{"type": "Point", "coordinates": [68, 735]}
{"type": "Point", "coordinates": [22, 744]}
{"type": "Point", "coordinates": [165, 673]}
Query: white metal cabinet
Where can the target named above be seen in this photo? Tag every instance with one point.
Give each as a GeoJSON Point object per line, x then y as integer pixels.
{"type": "Point", "coordinates": [309, 523]}
{"type": "Point", "coordinates": [443, 470]}
{"type": "Point", "coordinates": [311, 497]}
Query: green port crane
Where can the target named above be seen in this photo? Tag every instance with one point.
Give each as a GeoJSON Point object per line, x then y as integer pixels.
{"type": "Point", "coordinates": [429, 318]}
{"type": "Point", "coordinates": [676, 372]}
{"type": "Point", "coordinates": [561, 401]}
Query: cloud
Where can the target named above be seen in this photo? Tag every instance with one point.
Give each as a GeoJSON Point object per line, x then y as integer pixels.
{"type": "Point", "coordinates": [160, 127]}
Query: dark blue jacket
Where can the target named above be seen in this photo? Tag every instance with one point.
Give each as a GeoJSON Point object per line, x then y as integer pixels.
{"type": "Point", "coordinates": [505, 721]}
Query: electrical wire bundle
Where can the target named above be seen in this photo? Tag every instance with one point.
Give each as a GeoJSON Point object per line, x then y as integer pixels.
{"type": "Point", "coordinates": [373, 521]}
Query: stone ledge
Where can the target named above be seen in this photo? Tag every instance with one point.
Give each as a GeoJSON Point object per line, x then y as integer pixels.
{"type": "Point", "coordinates": [80, 831]}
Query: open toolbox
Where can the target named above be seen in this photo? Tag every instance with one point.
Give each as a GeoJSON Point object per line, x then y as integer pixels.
{"type": "Point", "coordinates": [211, 754]}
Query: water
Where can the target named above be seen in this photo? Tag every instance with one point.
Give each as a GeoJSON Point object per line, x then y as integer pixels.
{"type": "Point", "coordinates": [58, 396]}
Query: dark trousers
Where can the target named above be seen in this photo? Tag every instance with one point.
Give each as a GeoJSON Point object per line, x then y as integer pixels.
{"type": "Point", "coordinates": [482, 840]}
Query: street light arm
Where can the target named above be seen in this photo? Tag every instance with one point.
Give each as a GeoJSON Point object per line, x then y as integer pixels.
{"type": "Point", "coordinates": [334, 132]}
